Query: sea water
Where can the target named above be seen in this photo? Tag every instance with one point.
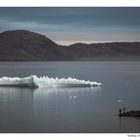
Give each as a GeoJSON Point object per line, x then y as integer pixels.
{"type": "Point", "coordinates": [71, 109]}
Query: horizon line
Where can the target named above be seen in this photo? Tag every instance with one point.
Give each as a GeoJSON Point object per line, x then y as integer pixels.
{"type": "Point", "coordinates": [70, 42]}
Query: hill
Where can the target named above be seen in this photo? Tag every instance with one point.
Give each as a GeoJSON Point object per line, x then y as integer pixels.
{"type": "Point", "coordinates": [22, 45]}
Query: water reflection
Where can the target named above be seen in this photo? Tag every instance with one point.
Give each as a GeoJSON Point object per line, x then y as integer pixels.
{"type": "Point", "coordinates": [10, 94]}
{"type": "Point", "coordinates": [59, 110]}
{"type": "Point", "coordinates": [44, 95]}
{"type": "Point", "coordinates": [65, 96]}
{"type": "Point", "coordinates": [40, 110]}
{"type": "Point", "coordinates": [64, 109]}
{"type": "Point", "coordinates": [16, 107]}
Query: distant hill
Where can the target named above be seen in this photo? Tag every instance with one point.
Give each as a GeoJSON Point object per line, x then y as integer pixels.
{"type": "Point", "coordinates": [105, 51]}
{"type": "Point", "coordinates": [22, 45]}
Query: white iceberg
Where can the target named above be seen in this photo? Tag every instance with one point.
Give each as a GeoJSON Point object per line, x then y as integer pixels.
{"type": "Point", "coordinates": [45, 81]}
{"type": "Point", "coordinates": [17, 82]}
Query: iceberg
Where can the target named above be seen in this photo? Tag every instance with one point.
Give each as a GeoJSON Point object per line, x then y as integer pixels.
{"type": "Point", "coordinates": [17, 82]}
{"type": "Point", "coordinates": [45, 81]}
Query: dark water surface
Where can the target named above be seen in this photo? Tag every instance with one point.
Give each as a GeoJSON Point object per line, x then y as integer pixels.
{"type": "Point", "coordinates": [71, 109]}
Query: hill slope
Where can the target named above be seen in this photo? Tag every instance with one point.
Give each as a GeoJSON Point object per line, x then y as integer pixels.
{"type": "Point", "coordinates": [105, 51]}
{"type": "Point", "coordinates": [26, 46]}
{"type": "Point", "coordinates": [22, 45]}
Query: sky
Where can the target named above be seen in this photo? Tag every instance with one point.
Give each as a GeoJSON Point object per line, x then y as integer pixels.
{"type": "Point", "coordinates": [68, 25]}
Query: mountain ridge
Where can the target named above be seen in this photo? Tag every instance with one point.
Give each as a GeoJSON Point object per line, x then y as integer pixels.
{"type": "Point", "coordinates": [23, 45]}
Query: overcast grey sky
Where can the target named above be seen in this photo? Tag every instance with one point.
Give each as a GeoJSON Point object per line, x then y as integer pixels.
{"type": "Point", "coordinates": [71, 25]}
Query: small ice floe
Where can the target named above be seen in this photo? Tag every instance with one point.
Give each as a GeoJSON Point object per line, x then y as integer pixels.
{"type": "Point", "coordinates": [73, 97]}
{"type": "Point", "coordinates": [119, 101]}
